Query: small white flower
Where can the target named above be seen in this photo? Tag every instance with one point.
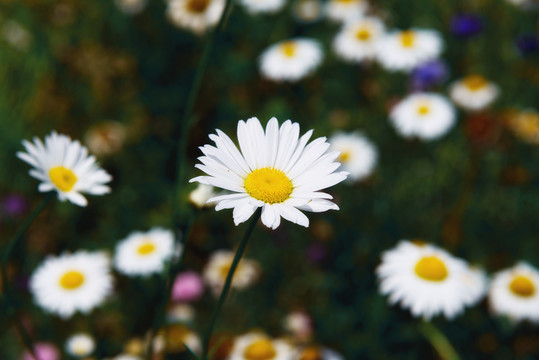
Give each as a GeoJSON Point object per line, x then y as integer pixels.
{"type": "Point", "coordinates": [181, 313]}
{"type": "Point", "coordinates": [130, 7]}
{"type": "Point", "coordinates": [345, 10]}
{"type": "Point", "coordinates": [358, 155]}
{"type": "Point", "coordinates": [426, 116]}
{"type": "Point", "coordinates": [195, 15]}
{"type": "Point", "coordinates": [291, 60]}
{"type": "Point", "coordinates": [80, 345]}
{"type": "Point", "coordinates": [64, 165]}
{"type": "Point", "coordinates": [358, 39]}
{"type": "Point", "coordinates": [72, 282]}
{"type": "Point", "coordinates": [218, 266]}
{"type": "Point", "coordinates": [144, 253]}
{"type": "Point", "coordinates": [255, 346]}
{"type": "Point", "coordinates": [262, 6]}
{"type": "Point", "coordinates": [429, 281]}
{"type": "Point", "coordinates": [474, 92]}
{"type": "Point", "coordinates": [404, 50]}
{"type": "Point", "coordinates": [307, 11]}
{"type": "Point", "coordinates": [200, 196]}
{"type": "Point", "coordinates": [514, 292]}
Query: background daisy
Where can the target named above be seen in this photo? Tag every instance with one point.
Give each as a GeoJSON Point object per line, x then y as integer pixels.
{"type": "Point", "coordinates": [357, 155]}
{"type": "Point", "coordinates": [218, 266]}
{"type": "Point", "coordinates": [357, 40]}
{"type": "Point", "coordinates": [195, 15]}
{"type": "Point", "coordinates": [80, 345]}
{"type": "Point", "coordinates": [345, 10]}
{"type": "Point", "coordinates": [260, 346]}
{"type": "Point", "coordinates": [473, 92]}
{"type": "Point", "coordinates": [262, 6]}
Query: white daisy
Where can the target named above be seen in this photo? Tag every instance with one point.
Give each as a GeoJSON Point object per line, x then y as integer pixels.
{"type": "Point", "coordinates": [473, 92]}
{"type": "Point", "coordinates": [428, 280]}
{"type": "Point", "coordinates": [195, 15]}
{"type": "Point", "coordinates": [358, 155]}
{"type": "Point", "coordinates": [514, 292]}
{"type": "Point", "coordinates": [262, 6]}
{"type": "Point", "coordinates": [200, 196]}
{"type": "Point", "coordinates": [345, 10]}
{"type": "Point", "coordinates": [404, 50]}
{"type": "Point", "coordinates": [291, 60]}
{"type": "Point", "coordinates": [218, 266]}
{"type": "Point", "coordinates": [72, 282]}
{"type": "Point", "coordinates": [130, 7]}
{"type": "Point", "coordinates": [357, 40]}
{"type": "Point", "coordinates": [257, 346]}
{"type": "Point", "coordinates": [80, 345]}
{"type": "Point", "coordinates": [426, 116]}
{"type": "Point", "coordinates": [64, 166]}
{"type": "Point", "coordinates": [275, 170]}
{"type": "Point", "coordinates": [144, 253]}
{"type": "Point", "coordinates": [307, 11]}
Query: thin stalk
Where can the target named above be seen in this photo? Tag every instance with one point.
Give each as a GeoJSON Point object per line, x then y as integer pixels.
{"type": "Point", "coordinates": [228, 281]}
{"type": "Point", "coordinates": [438, 341]}
{"type": "Point", "coordinates": [25, 337]}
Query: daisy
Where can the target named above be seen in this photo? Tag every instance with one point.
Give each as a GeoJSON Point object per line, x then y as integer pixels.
{"type": "Point", "coordinates": [64, 166]}
{"type": "Point", "coordinates": [357, 154]}
{"type": "Point", "coordinates": [525, 125]}
{"type": "Point", "coordinates": [80, 345]}
{"type": "Point", "coordinates": [404, 50]}
{"type": "Point", "coordinates": [175, 336]}
{"type": "Point", "coordinates": [218, 266]}
{"type": "Point", "coordinates": [72, 282]}
{"type": "Point", "coordinates": [291, 59]}
{"type": "Point", "coordinates": [144, 253]}
{"type": "Point", "coordinates": [275, 170]}
{"type": "Point", "coordinates": [200, 196]}
{"type": "Point", "coordinates": [428, 280]}
{"type": "Point", "coordinates": [307, 11]}
{"type": "Point", "coordinates": [357, 40]}
{"type": "Point", "coordinates": [195, 15]}
{"type": "Point", "coordinates": [263, 6]}
{"type": "Point", "coordinates": [426, 116]}
{"type": "Point", "coordinates": [515, 292]}
{"type": "Point", "coordinates": [473, 92]}
{"type": "Point", "coordinates": [257, 346]}
{"type": "Point", "coordinates": [345, 10]}
{"type": "Point", "coordinates": [131, 7]}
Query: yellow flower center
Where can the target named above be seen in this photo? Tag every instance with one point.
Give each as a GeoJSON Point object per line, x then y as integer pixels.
{"type": "Point", "coordinates": [522, 286]}
{"type": "Point", "coordinates": [288, 48]}
{"type": "Point", "coordinates": [63, 178]}
{"type": "Point", "coordinates": [474, 82]}
{"type": "Point", "coordinates": [146, 248]}
{"type": "Point", "coordinates": [431, 268]}
{"type": "Point", "coordinates": [363, 34]}
{"type": "Point", "coordinates": [345, 1]}
{"type": "Point", "coordinates": [310, 353]}
{"type": "Point", "coordinates": [71, 280]}
{"type": "Point", "coordinates": [529, 124]}
{"type": "Point", "coordinates": [423, 109]}
{"type": "Point", "coordinates": [269, 185]}
{"type": "Point", "coordinates": [197, 6]}
{"type": "Point", "coordinates": [344, 156]}
{"type": "Point", "coordinates": [224, 270]}
{"type": "Point", "coordinates": [260, 350]}
{"type": "Point", "coordinates": [407, 38]}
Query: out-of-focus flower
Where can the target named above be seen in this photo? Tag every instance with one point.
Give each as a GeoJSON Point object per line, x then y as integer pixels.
{"type": "Point", "coordinates": [188, 286]}
{"type": "Point", "coordinates": [307, 11]}
{"type": "Point", "coordinates": [144, 253]}
{"type": "Point", "coordinates": [466, 25]}
{"type": "Point", "coordinates": [428, 280]}
{"type": "Point", "coordinates": [195, 15]}
{"type": "Point", "coordinates": [299, 324]}
{"type": "Point", "coordinates": [134, 346]}
{"type": "Point", "coordinates": [426, 116]}
{"type": "Point", "coordinates": [357, 40]}
{"type": "Point", "coordinates": [524, 4]}
{"type": "Point", "coordinates": [180, 313]}
{"type": "Point", "coordinates": [80, 345]}
{"type": "Point", "coordinates": [473, 92]}
{"type": "Point", "coordinates": [126, 357]}
{"type": "Point", "coordinates": [358, 155]}
{"type": "Point", "coordinates": [318, 353]}
{"type": "Point", "coordinates": [16, 35]}
{"type": "Point", "coordinates": [105, 138]}
{"type": "Point", "coordinates": [64, 166]}
{"type": "Point", "coordinates": [200, 196]}
{"type": "Point", "coordinates": [514, 292]}
{"type": "Point", "coordinates": [527, 44]}
{"type": "Point", "coordinates": [259, 346]}
{"type": "Point", "coordinates": [131, 7]}
{"type": "Point", "coordinates": [428, 75]}
{"type": "Point", "coordinates": [72, 282]}
{"type": "Point", "coordinates": [218, 266]}
{"type": "Point", "coordinates": [44, 351]}
{"type": "Point", "coordinates": [405, 50]}
{"type": "Point", "coordinates": [177, 335]}
{"type": "Point", "coordinates": [14, 205]}
{"type": "Point", "coordinates": [276, 170]}
{"type": "Point", "coordinates": [345, 10]}
{"type": "Point", "coordinates": [524, 124]}
{"type": "Point", "coordinates": [263, 6]}
{"type": "Point", "coordinates": [291, 60]}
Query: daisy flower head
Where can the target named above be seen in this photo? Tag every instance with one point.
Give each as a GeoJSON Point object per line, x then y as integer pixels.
{"type": "Point", "coordinates": [257, 346]}
{"type": "Point", "coordinates": [262, 6]}
{"type": "Point", "coordinates": [131, 7]}
{"type": "Point", "coordinates": [357, 40]}
{"type": "Point", "coordinates": [200, 196]}
{"type": "Point", "coordinates": [345, 10]}
{"type": "Point", "coordinates": [514, 292]}
{"type": "Point", "coordinates": [473, 92]}
{"type": "Point", "coordinates": [195, 15]}
{"type": "Point", "coordinates": [428, 281]}
{"type": "Point", "coordinates": [426, 116]}
{"type": "Point", "coordinates": [276, 170]}
{"type": "Point", "coordinates": [525, 125]}
{"type": "Point", "coordinates": [72, 282]}
{"type": "Point", "coordinates": [404, 50]}
{"type": "Point", "coordinates": [218, 266]}
{"type": "Point", "coordinates": [80, 345]}
{"type": "Point", "coordinates": [291, 60]}
{"type": "Point", "coordinates": [144, 253]}
{"type": "Point", "coordinates": [64, 166]}
{"type": "Point", "coordinates": [307, 11]}
{"type": "Point", "coordinates": [357, 155]}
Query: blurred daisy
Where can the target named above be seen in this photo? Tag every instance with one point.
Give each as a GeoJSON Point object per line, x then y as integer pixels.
{"type": "Point", "coordinates": [177, 335]}
{"type": "Point", "coordinates": [318, 353]}
{"type": "Point", "coordinates": [404, 50]}
{"type": "Point", "coordinates": [291, 60]}
{"type": "Point", "coordinates": [200, 196]}
{"type": "Point", "coordinates": [426, 116]}
{"type": "Point", "coordinates": [307, 11]}
{"type": "Point", "coordinates": [357, 40]}
{"type": "Point", "coordinates": [195, 15]}
{"type": "Point", "coordinates": [428, 280]}
{"type": "Point", "coordinates": [357, 154]}
{"type": "Point", "coordinates": [127, 357]}
{"type": "Point", "coordinates": [345, 10]}
{"type": "Point", "coordinates": [72, 282]}
{"type": "Point", "coordinates": [218, 266]}
{"type": "Point", "coordinates": [80, 345]}
{"type": "Point", "coordinates": [130, 7]}
{"type": "Point", "coordinates": [262, 6]}
{"type": "Point", "coordinates": [144, 253]}
{"type": "Point", "coordinates": [257, 346]}
{"type": "Point", "coordinates": [525, 125]}
{"type": "Point", "coordinates": [275, 170]}
{"type": "Point", "coordinates": [515, 292]}
{"type": "Point", "coordinates": [473, 92]}
{"type": "Point", "coordinates": [180, 313]}
{"type": "Point", "coordinates": [105, 138]}
{"type": "Point", "coordinates": [64, 166]}
{"type": "Point", "coordinates": [299, 324]}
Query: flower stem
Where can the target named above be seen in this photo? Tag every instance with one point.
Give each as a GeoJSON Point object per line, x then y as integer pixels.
{"type": "Point", "coordinates": [25, 338]}
{"type": "Point", "coordinates": [228, 281]}
{"type": "Point", "coordinates": [439, 341]}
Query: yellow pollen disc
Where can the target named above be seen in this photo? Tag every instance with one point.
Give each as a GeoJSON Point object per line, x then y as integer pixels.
{"type": "Point", "coordinates": [71, 280]}
{"type": "Point", "coordinates": [529, 124]}
{"type": "Point", "coordinates": [407, 38]}
{"type": "Point", "coordinates": [63, 178]}
{"type": "Point", "coordinates": [431, 268]}
{"type": "Point", "coordinates": [260, 350]}
{"type": "Point", "coordinates": [310, 353]}
{"type": "Point", "coordinates": [363, 34]}
{"type": "Point", "coordinates": [224, 270]}
{"type": "Point", "coordinates": [197, 6]}
{"type": "Point", "coordinates": [269, 185]}
{"type": "Point", "coordinates": [423, 110]}
{"type": "Point", "coordinates": [474, 82]}
{"type": "Point", "coordinates": [289, 48]}
{"type": "Point", "coordinates": [522, 286]}
{"type": "Point", "coordinates": [344, 156]}
{"type": "Point", "coordinates": [146, 249]}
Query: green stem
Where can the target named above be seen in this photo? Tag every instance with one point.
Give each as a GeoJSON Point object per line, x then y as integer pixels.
{"type": "Point", "coordinates": [228, 281]}
{"type": "Point", "coordinates": [25, 337]}
{"type": "Point", "coordinates": [439, 341]}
